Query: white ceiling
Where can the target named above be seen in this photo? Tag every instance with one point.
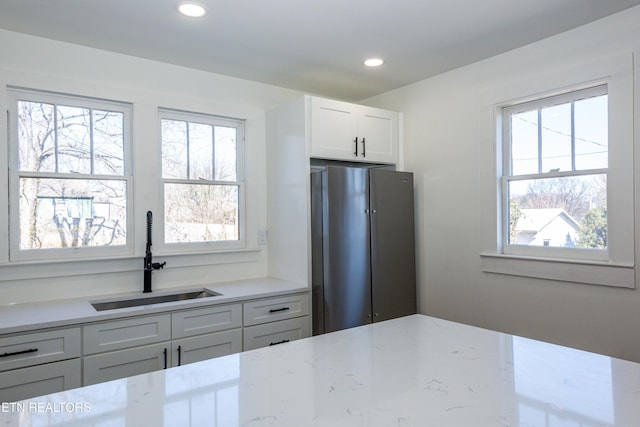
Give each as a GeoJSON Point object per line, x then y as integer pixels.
{"type": "Point", "coordinates": [315, 46]}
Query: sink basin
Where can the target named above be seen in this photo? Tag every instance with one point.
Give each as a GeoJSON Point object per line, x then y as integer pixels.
{"type": "Point", "coordinates": [156, 299]}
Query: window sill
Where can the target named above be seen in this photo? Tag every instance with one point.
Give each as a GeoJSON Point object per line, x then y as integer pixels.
{"type": "Point", "coordinates": [21, 270]}
{"type": "Point", "coordinates": [587, 272]}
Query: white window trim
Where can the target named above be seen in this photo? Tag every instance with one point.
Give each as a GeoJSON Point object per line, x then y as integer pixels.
{"type": "Point", "coordinates": [16, 254]}
{"type": "Point", "coordinates": [618, 269]}
{"type": "Point", "coordinates": [212, 246]}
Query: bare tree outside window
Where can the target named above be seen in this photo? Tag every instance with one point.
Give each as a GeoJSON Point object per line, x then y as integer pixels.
{"type": "Point", "coordinates": [72, 191]}
{"type": "Point", "coordinates": [201, 185]}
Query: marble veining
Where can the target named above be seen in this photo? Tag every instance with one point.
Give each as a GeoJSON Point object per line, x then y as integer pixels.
{"type": "Point", "coordinates": [412, 371]}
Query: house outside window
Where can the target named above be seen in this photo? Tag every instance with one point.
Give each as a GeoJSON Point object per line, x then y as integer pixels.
{"type": "Point", "coordinates": [555, 175]}
{"type": "Point", "coordinates": [69, 176]}
{"type": "Point", "coordinates": [203, 183]}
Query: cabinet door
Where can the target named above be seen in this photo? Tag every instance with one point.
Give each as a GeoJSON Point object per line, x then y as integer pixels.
{"type": "Point", "coordinates": [276, 332]}
{"type": "Point", "coordinates": [333, 129]}
{"type": "Point", "coordinates": [203, 347]}
{"type": "Point", "coordinates": [378, 135]}
{"type": "Point", "coordinates": [38, 380]}
{"type": "Point", "coordinates": [126, 363]}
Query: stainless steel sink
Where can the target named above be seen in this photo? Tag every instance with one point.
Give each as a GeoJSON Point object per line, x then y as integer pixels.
{"type": "Point", "coordinates": [156, 299]}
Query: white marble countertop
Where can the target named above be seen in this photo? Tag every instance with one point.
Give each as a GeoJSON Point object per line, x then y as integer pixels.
{"type": "Point", "coordinates": [412, 371]}
{"type": "Point", "coordinates": [35, 316]}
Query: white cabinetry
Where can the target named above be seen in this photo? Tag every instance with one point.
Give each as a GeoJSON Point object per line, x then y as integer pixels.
{"type": "Point", "coordinates": [278, 320]}
{"type": "Point", "coordinates": [305, 128]}
{"type": "Point", "coordinates": [344, 131]}
{"type": "Point", "coordinates": [33, 364]}
{"type": "Point", "coordinates": [122, 348]}
{"type": "Point", "coordinates": [39, 363]}
{"type": "Point", "coordinates": [206, 333]}
{"type": "Point", "coordinates": [125, 363]}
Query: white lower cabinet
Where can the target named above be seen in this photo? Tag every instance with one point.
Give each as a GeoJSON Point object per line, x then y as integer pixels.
{"type": "Point", "coordinates": [274, 333]}
{"type": "Point", "coordinates": [33, 364]}
{"type": "Point", "coordinates": [276, 320]}
{"type": "Point", "coordinates": [24, 383]}
{"type": "Point", "coordinates": [125, 363]}
{"type": "Point", "coordinates": [39, 363]}
{"type": "Point", "coordinates": [203, 347]}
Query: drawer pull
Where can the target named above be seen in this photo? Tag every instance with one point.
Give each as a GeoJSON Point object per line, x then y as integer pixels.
{"type": "Point", "coordinates": [279, 342]}
{"type": "Point", "coordinates": [275, 310]}
{"type": "Point", "coordinates": [31, 350]}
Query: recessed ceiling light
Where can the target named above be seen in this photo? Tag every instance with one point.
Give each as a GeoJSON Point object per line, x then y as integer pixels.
{"type": "Point", "coordinates": [373, 62]}
{"type": "Point", "coordinates": [191, 9]}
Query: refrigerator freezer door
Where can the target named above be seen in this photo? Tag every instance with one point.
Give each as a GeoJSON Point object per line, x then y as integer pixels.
{"type": "Point", "coordinates": [346, 238]}
{"type": "Point", "coordinates": [392, 244]}
{"type": "Point", "coordinates": [317, 259]}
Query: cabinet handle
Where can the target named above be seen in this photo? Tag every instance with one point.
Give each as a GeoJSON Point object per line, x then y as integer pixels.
{"type": "Point", "coordinates": [31, 350]}
{"type": "Point", "coordinates": [179, 355]}
{"type": "Point", "coordinates": [279, 342]}
{"type": "Point", "coordinates": [364, 147]}
{"type": "Point", "coordinates": [275, 310]}
{"type": "Point", "coordinates": [355, 141]}
{"type": "Point", "coordinates": [165, 358]}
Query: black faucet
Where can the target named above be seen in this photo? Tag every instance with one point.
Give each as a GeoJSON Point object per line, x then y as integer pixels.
{"type": "Point", "coordinates": [149, 265]}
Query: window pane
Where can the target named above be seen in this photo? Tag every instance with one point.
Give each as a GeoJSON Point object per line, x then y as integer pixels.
{"type": "Point", "coordinates": [36, 137]}
{"type": "Point", "coordinates": [200, 213]}
{"type": "Point", "coordinates": [174, 149]}
{"type": "Point", "coordinates": [561, 212]}
{"type": "Point", "coordinates": [61, 213]}
{"type": "Point", "coordinates": [556, 138]}
{"type": "Point", "coordinates": [524, 142]}
{"type": "Point", "coordinates": [226, 169]}
{"type": "Point", "coordinates": [74, 139]}
{"type": "Point", "coordinates": [108, 142]}
{"type": "Point", "coordinates": [200, 151]}
{"type": "Point", "coordinates": [591, 133]}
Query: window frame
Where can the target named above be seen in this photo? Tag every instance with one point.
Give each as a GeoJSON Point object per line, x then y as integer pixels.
{"type": "Point", "coordinates": [17, 94]}
{"type": "Point", "coordinates": [240, 183]}
{"type": "Point", "coordinates": [508, 176]}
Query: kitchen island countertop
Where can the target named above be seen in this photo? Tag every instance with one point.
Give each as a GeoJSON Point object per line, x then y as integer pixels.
{"type": "Point", "coordinates": [412, 371]}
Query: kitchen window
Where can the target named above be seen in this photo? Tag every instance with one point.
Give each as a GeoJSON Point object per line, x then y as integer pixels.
{"type": "Point", "coordinates": [202, 176]}
{"type": "Point", "coordinates": [70, 176]}
{"type": "Point", "coordinates": [559, 183]}
{"type": "Point", "coordinates": [554, 184]}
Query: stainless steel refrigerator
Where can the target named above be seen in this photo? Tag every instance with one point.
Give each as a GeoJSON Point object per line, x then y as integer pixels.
{"type": "Point", "coordinates": [363, 246]}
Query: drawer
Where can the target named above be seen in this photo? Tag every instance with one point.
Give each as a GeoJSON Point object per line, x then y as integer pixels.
{"type": "Point", "coordinates": [19, 351]}
{"type": "Point", "coordinates": [126, 363]}
{"type": "Point", "coordinates": [39, 380]}
{"type": "Point", "coordinates": [204, 347]}
{"type": "Point", "coordinates": [274, 309]}
{"type": "Point", "coordinates": [205, 320]}
{"type": "Point", "coordinates": [120, 334]}
{"type": "Point", "coordinates": [276, 333]}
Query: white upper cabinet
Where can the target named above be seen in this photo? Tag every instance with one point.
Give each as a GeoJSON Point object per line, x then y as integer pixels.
{"type": "Point", "coordinates": [344, 131]}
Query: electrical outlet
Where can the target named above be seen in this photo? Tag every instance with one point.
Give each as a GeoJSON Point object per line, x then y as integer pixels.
{"type": "Point", "coordinates": [262, 237]}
